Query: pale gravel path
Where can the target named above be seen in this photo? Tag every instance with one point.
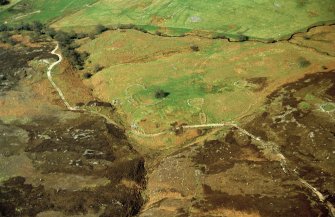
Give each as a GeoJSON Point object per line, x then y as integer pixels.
{"type": "Point", "coordinates": [61, 95]}
{"type": "Point", "coordinates": [49, 73]}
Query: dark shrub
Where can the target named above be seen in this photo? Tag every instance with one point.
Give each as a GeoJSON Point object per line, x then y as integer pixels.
{"type": "Point", "coordinates": [37, 27]}
{"type": "Point", "coordinates": [97, 68]}
{"type": "Point", "coordinates": [63, 38]}
{"type": "Point", "coordinates": [51, 32]}
{"type": "Point", "coordinates": [100, 29]}
{"type": "Point", "coordinates": [4, 27]}
{"type": "Point", "coordinates": [81, 35]}
{"type": "Point", "coordinates": [241, 38]}
{"type": "Point", "coordinates": [195, 48]}
{"type": "Point", "coordinates": [84, 56]}
{"type": "Point", "coordinates": [306, 37]}
{"type": "Point", "coordinates": [66, 41]}
{"type": "Point", "coordinates": [303, 63]}
{"type": "Point", "coordinates": [160, 94]}
{"type": "Point", "coordinates": [159, 33]}
{"type": "Point", "coordinates": [87, 75]}
{"type": "Point", "coordinates": [23, 26]}
{"type": "Point", "coordinates": [91, 36]}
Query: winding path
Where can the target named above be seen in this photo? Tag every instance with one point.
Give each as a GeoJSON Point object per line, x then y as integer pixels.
{"type": "Point", "coordinates": [61, 95]}
{"type": "Point", "coordinates": [49, 73]}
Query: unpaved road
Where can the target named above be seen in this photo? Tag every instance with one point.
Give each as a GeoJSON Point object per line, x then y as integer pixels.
{"type": "Point", "coordinates": [49, 73]}
{"type": "Point", "coordinates": [61, 95]}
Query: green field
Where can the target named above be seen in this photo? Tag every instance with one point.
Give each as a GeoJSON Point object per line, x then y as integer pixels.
{"type": "Point", "coordinates": [40, 10]}
{"type": "Point", "coordinates": [262, 19]}
{"type": "Point", "coordinates": [258, 19]}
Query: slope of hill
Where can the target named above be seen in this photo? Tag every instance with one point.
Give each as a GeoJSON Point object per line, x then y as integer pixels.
{"type": "Point", "coordinates": [257, 19]}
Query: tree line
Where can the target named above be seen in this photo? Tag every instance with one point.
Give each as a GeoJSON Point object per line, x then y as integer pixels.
{"type": "Point", "coordinates": [4, 2]}
{"type": "Point", "coordinates": [66, 39]}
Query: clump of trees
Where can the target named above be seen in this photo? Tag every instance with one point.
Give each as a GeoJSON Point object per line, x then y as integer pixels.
{"type": "Point", "coordinates": [195, 48]}
{"type": "Point", "coordinates": [97, 31]}
{"type": "Point", "coordinates": [68, 46]}
{"type": "Point", "coordinates": [36, 29]}
{"type": "Point", "coordinates": [66, 39]}
{"type": "Point", "coordinates": [35, 26]}
{"type": "Point", "coordinates": [100, 29]}
{"type": "Point", "coordinates": [3, 28]}
{"type": "Point", "coordinates": [4, 2]}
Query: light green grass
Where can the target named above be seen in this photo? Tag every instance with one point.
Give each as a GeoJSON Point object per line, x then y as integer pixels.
{"type": "Point", "coordinates": [304, 105]}
{"type": "Point", "coordinates": [328, 107]}
{"type": "Point", "coordinates": [41, 10]}
{"type": "Point", "coordinates": [254, 18]}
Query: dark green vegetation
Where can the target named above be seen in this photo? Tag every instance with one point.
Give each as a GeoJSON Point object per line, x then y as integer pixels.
{"type": "Point", "coordinates": [65, 39]}
{"type": "Point", "coordinates": [303, 62]}
{"type": "Point", "coordinates": [4, 2]}
{"type": "Point", "coordinates": [160, 94]}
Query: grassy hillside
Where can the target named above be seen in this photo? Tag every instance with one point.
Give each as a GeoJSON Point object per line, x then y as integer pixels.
{"type": "Point", "coordinates": [221, 81]}
{"type": "Point", "coordinates": [41, 10]}
{"type": "Point", "coordinates": [259, 19]}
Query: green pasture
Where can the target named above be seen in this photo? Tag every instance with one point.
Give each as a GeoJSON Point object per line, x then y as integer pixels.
{"type": "Point", "coordinates": [40, 10]}
{"type": "Point", "coordinates": [263, 19]}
